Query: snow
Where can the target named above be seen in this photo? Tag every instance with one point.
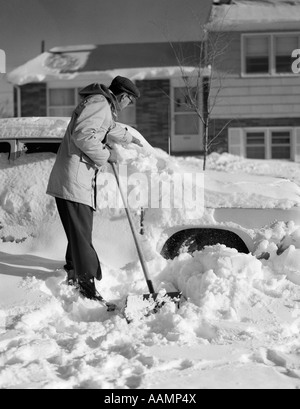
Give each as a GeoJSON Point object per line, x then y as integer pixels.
{"type": "Point", "coordinates": [33, 127]}
{"type": "Point", "coordinates": [245, 13]}
{"type": "Point", "coordinates": [238, 325]}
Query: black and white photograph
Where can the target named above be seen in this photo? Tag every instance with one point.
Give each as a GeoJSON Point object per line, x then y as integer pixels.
{"type": "Point", "coordinates": [149, 197]}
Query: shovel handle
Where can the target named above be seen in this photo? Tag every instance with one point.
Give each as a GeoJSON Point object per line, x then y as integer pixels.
{"type": "Point", "coordinates": [134, 233]}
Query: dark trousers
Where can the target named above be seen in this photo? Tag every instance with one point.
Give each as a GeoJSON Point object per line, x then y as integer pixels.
{"type": "Point", "coordinates": [77, 220]}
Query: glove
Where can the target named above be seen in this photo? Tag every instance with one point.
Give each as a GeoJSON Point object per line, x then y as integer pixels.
{"type": "Point", "coordinates": [113, 155]}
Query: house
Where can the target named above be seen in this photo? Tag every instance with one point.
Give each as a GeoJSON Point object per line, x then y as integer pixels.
{"type": "Point", "coordinates": [247, 83]}
{"type": "Point", "coordinates": [63, 71]}
{"type": "Point", "coordinates": [48, 85]}
{"type": "Point", "coordinates": [258, 103]}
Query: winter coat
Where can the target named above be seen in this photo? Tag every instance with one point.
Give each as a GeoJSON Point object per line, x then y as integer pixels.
{"type": "Point", "coordinates": [83, 151]}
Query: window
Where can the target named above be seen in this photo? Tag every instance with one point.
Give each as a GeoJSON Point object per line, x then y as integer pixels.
{"type": "Point", "coordinates": [186, 121]}
{"type": "Point", "coordinates": [255, 145]}
{"type": "Point", "coordinates": [265, 143]}
{"type": "Point", "coordinates": [257, 55]}
{"type": "Point", "coordinates": [62, 101]}
{"type": "Point", "coordinates": [268, 54]}
{"type": "Point", "coordinates": [281, 144]}
{"type": "Point", "coordinates": [269, 144]}
{"type": "Point", "coordinates": [5, 147]}
{"type": "Point", "coordinates": [284, 46]}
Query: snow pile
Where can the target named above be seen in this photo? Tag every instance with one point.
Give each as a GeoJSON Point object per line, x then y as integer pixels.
{"type": "Point", "coordinates": [234, 164]}
{"type": "Point", "coordinates": [284, 249]}
{"type": "Point", "coordinates": [217, 279]}
{"type": "Point", "coordinates": [292, 239]}
{"type": "Point", "coordinates": [63, 341]}
{"type": "Point", "coordinates": [239, 315]}
{"type": "Point", "coordinates": [280, 245]}
{"type": "Point", "coordinates": [288, 264]}
{"type": "Point", "coordinates": [23, 203]}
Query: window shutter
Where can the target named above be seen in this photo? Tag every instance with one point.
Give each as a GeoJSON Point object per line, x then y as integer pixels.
{"type": "Point", "coordinates": [297, 145]}
{"type": "Point", "coordinates": [236, 141]}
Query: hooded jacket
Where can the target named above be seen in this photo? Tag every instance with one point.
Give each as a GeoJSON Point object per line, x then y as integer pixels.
{"type": "Point", "coordinates": [83, 151]}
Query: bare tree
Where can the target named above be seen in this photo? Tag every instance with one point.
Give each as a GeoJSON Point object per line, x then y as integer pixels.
{"type": "Point", "coordinates": [202, 85]}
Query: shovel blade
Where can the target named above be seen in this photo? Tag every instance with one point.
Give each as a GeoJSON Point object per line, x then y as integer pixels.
{"type": "Point", "coordinates": [139, 306]}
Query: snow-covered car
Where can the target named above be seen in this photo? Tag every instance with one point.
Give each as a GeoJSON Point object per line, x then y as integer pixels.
{"type": "Point", "coordinates": [37, 132]}
{"type": "Point", "coordinates": [248, 203]}
{"type": "Point", "coordinates": [230, 227]}
{"type": "Point", "coordinates": [235, 203]}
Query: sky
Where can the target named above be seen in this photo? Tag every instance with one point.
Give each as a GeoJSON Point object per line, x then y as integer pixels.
{"type": "Point", "coordinates": [24, 24]}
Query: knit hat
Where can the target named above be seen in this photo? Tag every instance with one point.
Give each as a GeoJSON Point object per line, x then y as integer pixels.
{"type": "Point", "coordinates": [122, 84]}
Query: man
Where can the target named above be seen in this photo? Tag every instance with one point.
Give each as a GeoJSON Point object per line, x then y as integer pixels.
{"type": "Point", "coordinates": [72, 182]}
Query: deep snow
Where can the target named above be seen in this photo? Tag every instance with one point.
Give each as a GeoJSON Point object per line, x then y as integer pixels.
{"type": "Point", "coordinates": [238, 329]}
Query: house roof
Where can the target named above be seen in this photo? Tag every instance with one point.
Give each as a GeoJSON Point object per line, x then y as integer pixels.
{"type": "Point", "coordinates": [113, 56]}
{"type": "Point", "coordinates": [247, 15]}
{"type": "Point", "coordinates": [152, 59]}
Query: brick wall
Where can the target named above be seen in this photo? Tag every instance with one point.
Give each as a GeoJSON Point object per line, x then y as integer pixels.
{"type": "Point", "coordinates": [33, 100]}
{"type": "Point", "coordinates": [153, 112]}
{"type": "Point", "coordinates": [221, 143]}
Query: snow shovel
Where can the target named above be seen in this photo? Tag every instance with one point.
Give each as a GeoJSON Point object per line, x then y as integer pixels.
{"type": "Point", "coordinates": [138, 306]}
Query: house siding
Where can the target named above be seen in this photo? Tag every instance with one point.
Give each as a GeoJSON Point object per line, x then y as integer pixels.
{"type": "Point", "coordinates": [236, 96]}
{"type": "Point", "coordinates": [251, 97]}
{"type": "Point", "coordinates": [244, 101]}
{"type": "Point", "coordinates": [153, 112]}
{"type": "Point", "coordinates": [225, 50]}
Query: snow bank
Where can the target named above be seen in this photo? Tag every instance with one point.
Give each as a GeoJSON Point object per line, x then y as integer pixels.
{"type": "Point", "coordinates": [235, 164]}
{"type": "Point", "coordinates": [216, 279]}
{"type": "Point", "coordinates": [246, 303]}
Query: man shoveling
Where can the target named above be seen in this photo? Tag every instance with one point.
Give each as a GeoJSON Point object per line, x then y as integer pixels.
{"type": "Point", "coordinates": [72, 182]}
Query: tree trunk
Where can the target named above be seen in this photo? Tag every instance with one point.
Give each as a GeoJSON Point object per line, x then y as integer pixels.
{"type": "Point", "coordinates": [205, 145]}
{"type": "Point", "coordinates": [206, 90]}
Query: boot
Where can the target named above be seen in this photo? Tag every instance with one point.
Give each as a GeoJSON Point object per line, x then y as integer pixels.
{"type": "Point", "coordinates": [88, 289]}
{"type": "Point", "coordinates": [71, 277]}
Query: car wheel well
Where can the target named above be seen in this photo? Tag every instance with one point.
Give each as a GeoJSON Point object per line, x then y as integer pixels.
{"type": "Point", "coordinates": [196, 239]}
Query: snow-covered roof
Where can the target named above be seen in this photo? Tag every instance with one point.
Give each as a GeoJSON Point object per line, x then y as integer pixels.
{"type": "Point", "coordinates": [256, 14]}
{"type": "Point", "coordinates": [136, 61]}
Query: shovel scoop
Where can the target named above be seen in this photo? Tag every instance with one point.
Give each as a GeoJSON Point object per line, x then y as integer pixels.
{"type": "Point", "coordinates": [139, 306]}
